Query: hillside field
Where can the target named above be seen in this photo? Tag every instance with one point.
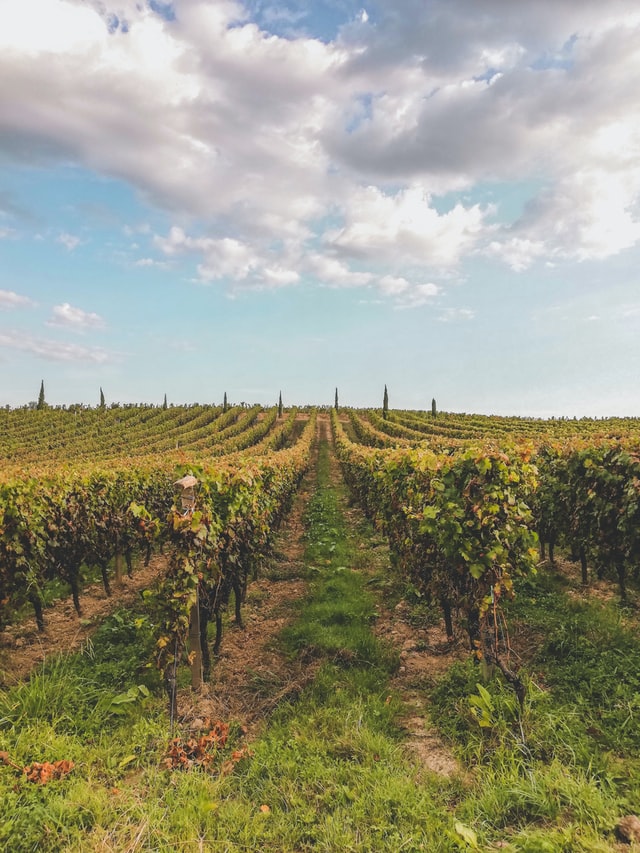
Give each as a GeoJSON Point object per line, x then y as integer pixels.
{"type": "Point", "coordinates": [225, 628]}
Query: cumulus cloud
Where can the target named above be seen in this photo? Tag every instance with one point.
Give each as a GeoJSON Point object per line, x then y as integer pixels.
{"type": "Point", "coordinates": [331, 271]}
{"type": "Point", "coordinates": [222, 112]}
{"type": "Point", "coordinates": [517, 252]}
{"type": "Point", "coordinates": [279, 277]}
{"type": "Point", "coordinates": [379, 226]}
{"type": "Point", "coordinates": [449, 39]}
{"type": "Point", "coordinates": [52, 350]}
{"type": "Point", "coordinates": [68, 317]}
{"type": "Point", "coordinates": [9, 299]}
{"type": "Point", "coordinates": [264, 140]}
{"type": "Point", "coordinates": [394, 285]}
{"type": "Point", "coordinates": [405, 294]}
{"type": "Point", "coordinates": [504, 94]}
{"type": "Point", "coordinates": [589, 216]}
{"type": "Point", "coordinates": [231, 259]}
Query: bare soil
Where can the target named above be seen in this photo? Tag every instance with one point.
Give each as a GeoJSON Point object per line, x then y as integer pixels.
{"type": "Point", "coordinates": [425, 656]}
{"type": "Point", "coordinates": [603, 590]}
{"type": "Point", "coordinates": [251, 677]}
{"type": "Point", "coordinates": [23, 647]}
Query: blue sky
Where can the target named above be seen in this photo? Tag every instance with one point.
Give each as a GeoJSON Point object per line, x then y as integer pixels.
{"type": "Point", "coordinates": [201, 197]}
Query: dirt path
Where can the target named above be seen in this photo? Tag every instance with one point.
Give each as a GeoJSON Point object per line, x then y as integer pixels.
{"type": "Point", "coordinates": [425, 655]}
{"type": "Point", "coordinates": [251, 677]}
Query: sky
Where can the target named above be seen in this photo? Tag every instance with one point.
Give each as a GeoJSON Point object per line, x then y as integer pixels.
{"type": "Point", "coordinates": [439, 196]}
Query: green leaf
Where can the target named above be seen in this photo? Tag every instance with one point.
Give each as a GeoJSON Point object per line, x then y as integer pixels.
{"type": "Point", "coordinates": [467, 834]}
{"type": "Point", "coordinates": [485, 695]}
{"type": "Point", "coordinates": [476, 570]}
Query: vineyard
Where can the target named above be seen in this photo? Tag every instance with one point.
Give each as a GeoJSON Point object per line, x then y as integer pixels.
{"type": "Point", "coordinates": [504, 552]}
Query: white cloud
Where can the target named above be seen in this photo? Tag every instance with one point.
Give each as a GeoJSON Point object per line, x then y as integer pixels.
{"type": "Point", "coordinates": [593, 215]}
{"type": "Point", "coordinates": [70, 241]}
{"type": "Point", "coordinates": [67, 316]}
{"type": "Point", "coordinates": [263, 139]}
{"type": "Point", "coordinates": [279, 277]}
{"type": "Point", "coordinates": [227, 258]}
{"type": "Point", "coordinates": [393, 285]}
{"type": "Point", "coordinates": [223, 258]}
{"type": "Point", "coordinates": [226, 116]}
{"type": "Point", "coordinates": [381, 227]}
{"type": "Point", "coordinates": [589, 216]}
{"type": "Point", "coordinates": [517, 252]}
{"type": "Point", "coordinates": [407, 295]}
{"type": "Point", "coordinates": [420, 294]}
{"type": "Point", "coordinates": [9, 299]}
{"type": "Point", "coordinates": [52, 350]}
{"type": "Point", "coordinates": [450, 40]}
{"type": "Point", "coordinates": [334, 272]}
{"type": "Point", "coordinates": [150, 262]}
{"type": "Point", "coordinates": [451, 315]}
{"type": "Point", "coordinates": [176, 242]}
{"type": "Point", "coordinates": [231, 259]}
{"type": "Point", "coordinates": [59, 28]}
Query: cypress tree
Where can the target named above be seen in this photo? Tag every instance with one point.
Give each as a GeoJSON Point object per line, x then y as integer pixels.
{"type": "Point", "coordinates": [433, 407]}
{"type": "Point", "coordinates": [225, 405]}
{"type": "Point", "coordinates": [41, 401]}
{"type": "Point", "coordinates": [385, 403]}
{"type": "Point", "coordinates": [102, 403]}
{"type": "Point", "coordinates": [280, 405]}
{"type": "Point", "coordinates": [164, 403]}
{"type": "Point", "coordinates": [335, 405]}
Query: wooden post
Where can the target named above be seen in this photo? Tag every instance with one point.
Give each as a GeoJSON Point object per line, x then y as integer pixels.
{"type": "Point", "coordinates": [195, 650]}
{"type": "Point", "coordinates": [118, 569]}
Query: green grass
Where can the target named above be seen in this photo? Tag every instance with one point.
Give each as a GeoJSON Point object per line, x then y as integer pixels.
{"type": "Point", "coordinates": [330, 771]}
{"type": "Point", "coordinates": [558, 775]}
{"type": "Point", "coordinates": [76, 708]}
